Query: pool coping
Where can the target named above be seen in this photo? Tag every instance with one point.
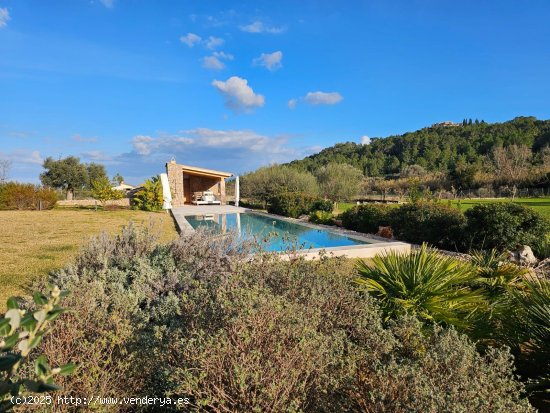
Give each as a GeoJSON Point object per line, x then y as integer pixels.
{"type": "Point", "coordinates": [373, 245]}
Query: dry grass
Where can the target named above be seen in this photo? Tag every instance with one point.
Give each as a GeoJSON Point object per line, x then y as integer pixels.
{"type": "Point", "coordinates": [33, 243]}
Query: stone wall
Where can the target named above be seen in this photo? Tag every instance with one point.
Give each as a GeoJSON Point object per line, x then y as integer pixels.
{"type": "Point", "coordinates": [175, 179]}
{"type": "Point", "coordinates": [123, 202]}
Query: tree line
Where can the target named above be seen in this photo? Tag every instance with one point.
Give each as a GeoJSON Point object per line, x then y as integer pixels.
{"type": "Point", "coordinates": [472, 154]}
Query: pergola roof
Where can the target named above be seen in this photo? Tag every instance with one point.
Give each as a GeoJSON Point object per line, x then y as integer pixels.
{"type": "Point", "coordinates": [194, 170]}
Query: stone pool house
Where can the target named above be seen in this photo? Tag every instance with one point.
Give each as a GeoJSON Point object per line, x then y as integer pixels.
{"type": "Point", "coordinates": [187, 182]}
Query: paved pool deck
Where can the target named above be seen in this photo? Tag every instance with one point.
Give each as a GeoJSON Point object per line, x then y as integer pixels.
{"type": "Point", "coordinates": [375, 245]}
{"type": "Point", "coordinates": [180, 213]}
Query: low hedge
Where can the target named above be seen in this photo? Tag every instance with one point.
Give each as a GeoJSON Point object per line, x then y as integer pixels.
{"type": "Point", "coordinates": [295, 204]}
{"type": "Point", "coordinates": [436, 224]}
{"type": "Point", "coordinates": [18, 196]}
{"type": "Point", "coordinates": [504, 225]}
{"type": "Point", "coordinates": [366, 218]}
{"type": "Point", "coordinates": [321, 217]}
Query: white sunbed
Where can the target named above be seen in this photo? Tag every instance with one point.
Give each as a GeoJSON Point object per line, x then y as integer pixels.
{"type": "Point", "coordinates": [205, 198]}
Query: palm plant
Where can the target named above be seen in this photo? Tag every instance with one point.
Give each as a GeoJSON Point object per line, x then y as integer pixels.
{"type": "Point", "coordinates": [424, 283]}
{"type": "Point", "coordinates": [533, 323]}
{"type": "Point", "coordinates": [498, 279]}
{"type": "Point", "coordinates": [494, 271]}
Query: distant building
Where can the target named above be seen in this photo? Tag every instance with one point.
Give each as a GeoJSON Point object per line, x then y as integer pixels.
{"type": "Point", "coordinates": [123, 187]}
{"type": "Point", "coordinates": [445, 124]}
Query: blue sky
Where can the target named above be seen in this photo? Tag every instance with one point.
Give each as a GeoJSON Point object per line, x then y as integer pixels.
{"type": "Point", "coordinates": [236, 85]}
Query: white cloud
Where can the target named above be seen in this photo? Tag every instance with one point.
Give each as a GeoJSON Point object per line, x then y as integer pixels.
{"type": "Point", "coordinates": [215, 61]}
{"type": "Point", "coordinates": [108, 3]}
{"type": "Point", "coordinates": [212, 62]}
{"type": "Point", "coordinates": [323, 98]}
{"type": "Point", "coordinates": [259, 27]}
{"type": "Point", "coordinates": [4, 17]}
{"type": "Point", "coordinates": [23, 157]}
{"type": "Point", "coordinates": [365, 140]}
{"type": "Point", "coordinates": [142, 144]}
{"type": "Point", "coordinates": [214, 42]}
{"type": "Point", "coordinates": [238, 95]}
{"type": "Point", "coordinates": [233, 150]}
{"type": "Point", "coordinates": [272, 61]}
{"type": "Point", "coordinates": [82, 139]}
{"type": "Point", "coordinates": [190, 39]}
{"type": "Point", "coordinates": [292, 103]}
{"type": "Point", "coordinates": [97, 156]}
{"type": "Point", "coordinates": [222, 55]}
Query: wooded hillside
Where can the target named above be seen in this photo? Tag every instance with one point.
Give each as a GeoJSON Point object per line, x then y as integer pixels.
{"type": "Point", "coordinates": [439, 148]}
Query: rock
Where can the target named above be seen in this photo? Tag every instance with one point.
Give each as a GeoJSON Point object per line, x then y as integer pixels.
{"type": "Point", "coordinates": [385, 232]}
{"type": "Point", "coordinates": [523, 256]}
{"type": "Point", "coordinates": [338, 223]}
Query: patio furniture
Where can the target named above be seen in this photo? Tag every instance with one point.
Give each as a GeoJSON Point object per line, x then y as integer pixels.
{"type": "Point", "coordinates": [205, 198]}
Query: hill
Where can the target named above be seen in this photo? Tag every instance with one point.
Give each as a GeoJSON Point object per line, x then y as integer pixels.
{"type": "Point", "coordinates": [436, 148]}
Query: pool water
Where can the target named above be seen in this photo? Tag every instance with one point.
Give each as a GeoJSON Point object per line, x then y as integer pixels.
{"type": "Point", "coordinates": [280, 234]}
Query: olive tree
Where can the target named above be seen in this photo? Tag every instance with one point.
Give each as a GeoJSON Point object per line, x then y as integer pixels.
{"type": "Point", "coordinates": [339, 182]}
{"type": "Point", "coordinates": [269, 181]}
{"type": "Point", "coordinates": [69, 174]}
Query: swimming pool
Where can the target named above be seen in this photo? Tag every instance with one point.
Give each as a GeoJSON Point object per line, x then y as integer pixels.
{"type": "Point", "coordinates": [278, 232]}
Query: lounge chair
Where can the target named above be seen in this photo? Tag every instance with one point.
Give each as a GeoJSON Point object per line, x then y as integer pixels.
{"type": "Point", "coordinates": [205, 198]}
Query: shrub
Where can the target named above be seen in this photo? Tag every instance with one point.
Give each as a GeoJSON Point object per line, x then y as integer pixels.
{"type": "Point", "coordinates": [102, 191]}
{"type": "Point", "coordinates": [366, 218]}
{"type": "Point", "coordinates": [423, 283]}
{"type": "Point", "coordinates": [202, 318]}
{"type": "Point", "coordinates": [321, 217]}
{"type": "Point", "coordinates": [504, 225]}
{"type": "Point", "coordinates": [150, 197]}
{"type": "Point", "coordinates": [438, 225]}
{"type": "Point", "coordinates": [14, 195]}
{"type": "Point", "coordinates": [292, 204]}
{"type": "Point", "coordinates": [21, 332]}
{"type": "Point", "coordinates": [323, 205]}
{"type": "Point", "coordinates": [438, 372]}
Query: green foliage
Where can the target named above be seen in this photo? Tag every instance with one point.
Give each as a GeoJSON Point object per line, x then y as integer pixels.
{"type": "Point", "coordinates": [447, 369]}
{"type": "Point", "coordinates": [433, 148]}
{"type": "Point", "coordinates": [21, 332]}
{"type": "Point", "coordinates": [95, 172]}
{"type": "Point", "coordinates": [268, 182]}
{"type": "Point", "coordinates": [532, 320]}
{"type": "Point", "coordinates": [541, 247]}
{"type": "Point", "coordinates": [103, 191]}
{"type": "Point", "coordinates": [423, 283]}
{"type": "Point", "coordinates": [503, 225]}
{"type": "Point", "coordinates": [366, 218]}
{"type": "Point", "coordinates": [201, 317]}
{"type": "Point", "coordinates": [14, 195]}
{"type": "Point", "coordinates": [69, 174]}
{"type": "Point", "coordinates": [150, 197]}
{"type": "Point", "coordinates": [292, 204]}
{"type": "Point", "coordinates": [438, 225]}
{"type": "Point", "coordinates": [118, 179]}
{"type": "Point", "coordinates": [321, 217]}
{"type": "Point", "coordinates": [339, 182]}
{"type": "Point", "coordinates": [323, 205]}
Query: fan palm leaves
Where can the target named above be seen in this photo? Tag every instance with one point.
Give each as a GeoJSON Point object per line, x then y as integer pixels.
{"type": "Point", "coordinates": [495, 271]}
{"type": "Point", "coordinates": [424, 283]}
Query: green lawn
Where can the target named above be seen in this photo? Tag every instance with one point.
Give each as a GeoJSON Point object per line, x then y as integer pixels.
{"type": "Point", "coordinates": [32, 243]}
{"type": "Point", "coordinates": [541, 205]}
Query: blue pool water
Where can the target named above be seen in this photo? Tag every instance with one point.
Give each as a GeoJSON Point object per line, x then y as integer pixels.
{"type": "Point", "coordinates": [278, 233]}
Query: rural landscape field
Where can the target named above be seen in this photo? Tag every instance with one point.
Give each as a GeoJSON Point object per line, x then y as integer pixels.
{"type": "Point", "coordinates": [235, 207]}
